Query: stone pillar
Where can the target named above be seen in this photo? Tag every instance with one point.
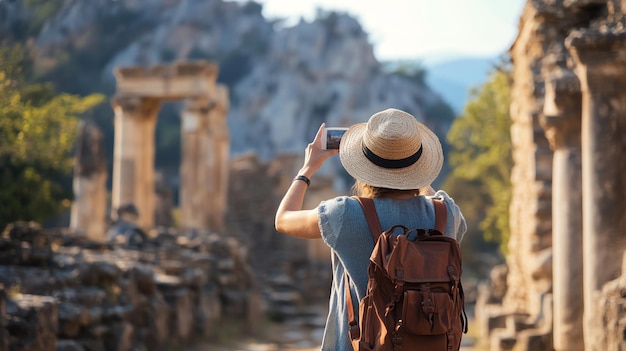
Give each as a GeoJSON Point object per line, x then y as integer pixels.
{"type": "Point", "coordinates": [88, 215]}
{"type": "Point", "coordinates": [562, 127]}
{"type": "Point", "coordinates": [204, 166]}
{"type": "Point", "coordinates": [133, 155]}
{"type": "Point", "coordinates": [194, 197]}
{"type": "Point", "coordinates": [600, 64]}
{"type": "Point", "coordinates": [219, 144]}
{"type": "Point", "coordinates": [163, 216]}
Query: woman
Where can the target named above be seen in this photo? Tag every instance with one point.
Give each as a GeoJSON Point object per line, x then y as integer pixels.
{"type": "Point", "coordinates": [394, 159]}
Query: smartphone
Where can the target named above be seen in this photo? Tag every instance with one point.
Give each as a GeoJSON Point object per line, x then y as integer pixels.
{"type": "Point", "coordinates": [331, 137]}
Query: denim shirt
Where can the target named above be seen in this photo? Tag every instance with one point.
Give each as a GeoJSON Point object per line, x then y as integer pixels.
{"type": "Point", "coordinates": [344, 228]}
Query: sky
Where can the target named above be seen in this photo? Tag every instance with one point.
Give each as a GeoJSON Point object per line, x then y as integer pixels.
{"type": "Point", "coordinates": [419, 29]}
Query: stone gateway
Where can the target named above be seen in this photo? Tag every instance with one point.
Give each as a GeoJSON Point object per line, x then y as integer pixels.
{"type": "Point", "coordinates": [205, 140]}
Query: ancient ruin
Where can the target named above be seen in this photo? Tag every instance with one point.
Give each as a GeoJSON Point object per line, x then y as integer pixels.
{"type": "Point", "coordinates": [89, 209]}
{"type": "Point", "coordinates": [562, 288]}
{"type": "Point", "coordinates": [109, 285]}
{"type": "Point", "coordinates": [204, 133]}
{"type": "Point", "coordinates": [190, 279]}
{"type": "Point", "coordinates": [204, 167]}
{"type": "Point", "coordinates": [565, 267]}
{"type": "Point", "coordinates": [60, 291]}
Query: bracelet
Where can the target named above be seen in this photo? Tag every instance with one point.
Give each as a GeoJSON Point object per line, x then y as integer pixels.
{"type": "Point", "coordinates": [304, 179]}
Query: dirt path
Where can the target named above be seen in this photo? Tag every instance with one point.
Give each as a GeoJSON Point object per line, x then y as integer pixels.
{"type": "Point", "coordinates": [274, 337]}
{"type": "Point", "coordinates": [301, 330]}
{"type": "Point", "coordinates": [302, 333]}
{"type": "Point", "coordinates": [281, 337]}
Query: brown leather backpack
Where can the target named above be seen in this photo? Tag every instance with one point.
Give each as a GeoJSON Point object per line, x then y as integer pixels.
{"type": "Point", "coordinates": [414, 298]}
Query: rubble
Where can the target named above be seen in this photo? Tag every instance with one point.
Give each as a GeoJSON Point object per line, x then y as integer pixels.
{"type": "Point", "coordinates": [61, 292]}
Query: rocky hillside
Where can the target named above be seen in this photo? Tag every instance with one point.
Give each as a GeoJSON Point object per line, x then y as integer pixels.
{"type": "Point", "coordinates": [283, 81]}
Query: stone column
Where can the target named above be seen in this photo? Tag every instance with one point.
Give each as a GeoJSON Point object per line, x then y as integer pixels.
{"type": "Point", "coordinates": [562, 128]}
{"type": "Point", "coordinates": [133, 155]}
{"type": "Point", "coordinates": [204, 166]}
{"type": "Point", "coordinates": [194, 198]}
{"type": "Point", "coordinates": [89, 184]}
{"type": "Point", "coordinates": [600, 64]}
{"type": "Point", "coordinates": [219, 141]}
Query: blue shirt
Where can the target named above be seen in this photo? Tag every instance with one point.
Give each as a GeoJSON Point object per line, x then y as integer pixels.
{"type": "Point", "coordinates": [344, 228]}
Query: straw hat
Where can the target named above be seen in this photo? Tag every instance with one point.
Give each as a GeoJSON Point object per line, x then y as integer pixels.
{"type": "Point", "coordinates": [392, 150]}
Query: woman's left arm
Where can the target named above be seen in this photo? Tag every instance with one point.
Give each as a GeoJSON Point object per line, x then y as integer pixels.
{"type": "Point", "coordinates": [291, 219]}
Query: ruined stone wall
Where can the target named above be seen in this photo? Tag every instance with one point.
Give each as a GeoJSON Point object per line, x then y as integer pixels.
{"type": "Point", "coordinates": [64, 292]}
{"type": "Point", "coordinates": [532, 171]}
{"type": "Point", "coordinates": [567, 238]}
{"type": "Point", "coordinates": [255, 190]}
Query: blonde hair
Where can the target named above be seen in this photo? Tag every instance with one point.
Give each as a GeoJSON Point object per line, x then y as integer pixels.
{"type": "Point", "coordinates": [360, 188]}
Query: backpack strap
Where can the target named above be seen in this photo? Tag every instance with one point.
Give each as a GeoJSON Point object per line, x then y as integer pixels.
{"type": "Point", "coordinates": [353, 324]}
{"type": "Point", "coordinates": [367, 204]}
{"type": "Point", "coordinates": [441, 215]}
{"type": "Point", "coordinates": [371, 216]}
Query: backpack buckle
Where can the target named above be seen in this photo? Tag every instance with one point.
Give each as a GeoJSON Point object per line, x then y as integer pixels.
{"type": "Point", "coordinates": [399, 289]}
{"type": "Point", "coordinates": [396, 336]}
{"type": "Point", "coordinates": [428, 307]}
{"type": "Point", "coordinates": [452, 273]}
{"type": "Point", "coordinates": [355, 332]}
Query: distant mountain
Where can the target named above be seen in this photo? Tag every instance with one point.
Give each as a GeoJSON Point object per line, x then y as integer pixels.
{"type": "Point", "coordinates": [283, 82]}
{"type": "Point", "coordinates": [453, 78]}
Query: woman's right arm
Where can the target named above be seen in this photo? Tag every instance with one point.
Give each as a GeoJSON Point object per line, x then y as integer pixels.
{"type": "Point", "coordinates": [291, 219]}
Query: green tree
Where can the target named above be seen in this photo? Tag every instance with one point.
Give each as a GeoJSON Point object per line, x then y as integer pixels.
{"type": "Point", "coordinates": [481, 158]}
{"type": "Point", "coordinates": [37, 132]}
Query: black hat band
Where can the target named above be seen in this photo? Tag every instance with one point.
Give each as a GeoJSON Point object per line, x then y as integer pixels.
{"type": "Point", "coordinates": [387, 163]}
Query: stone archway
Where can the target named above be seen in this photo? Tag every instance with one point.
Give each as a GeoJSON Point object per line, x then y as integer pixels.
{"type": "Point", "coordinates": [204, 134]}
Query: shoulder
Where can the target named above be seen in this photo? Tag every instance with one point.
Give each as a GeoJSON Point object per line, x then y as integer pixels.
{"type": "Point", "coordinates": [456, 226]}
{"type": "Point", "coordinates": [338, 207]}
{"type": "Point", "coordinates": [443, 196]}
{"type": "Point", "coordinates": [333, 213]}
{"type": "Point", "coordinates": [333, 205]}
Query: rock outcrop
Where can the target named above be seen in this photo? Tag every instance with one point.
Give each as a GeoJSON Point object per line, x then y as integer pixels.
{"type": "Point", "coordinates": [284, 81]}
